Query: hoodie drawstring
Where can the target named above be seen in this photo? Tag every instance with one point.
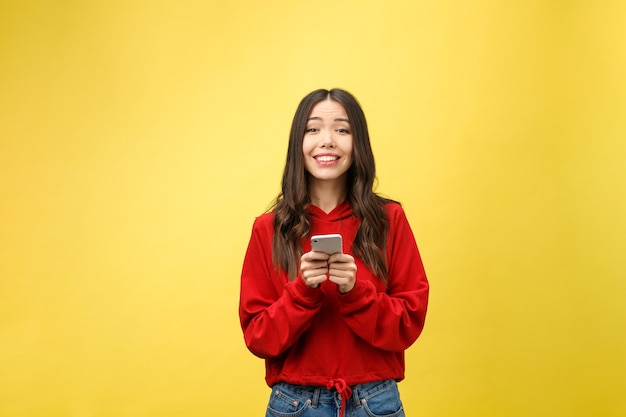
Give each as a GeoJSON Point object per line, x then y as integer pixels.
{"type": "Point", "coordinates": [343, 389]}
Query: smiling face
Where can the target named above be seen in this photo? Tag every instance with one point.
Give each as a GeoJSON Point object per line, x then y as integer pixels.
{"type": "Point", "coordinates": [327, 143]}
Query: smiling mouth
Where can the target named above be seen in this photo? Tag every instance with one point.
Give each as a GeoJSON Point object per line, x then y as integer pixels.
{"type": "Point", "coordinates": [326, 158]}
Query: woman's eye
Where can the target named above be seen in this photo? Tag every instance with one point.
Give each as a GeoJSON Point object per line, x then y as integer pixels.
{"type": "Point", "coordinates": [312, 130]}
{"type": "Point", "coordinates": [343, 131]}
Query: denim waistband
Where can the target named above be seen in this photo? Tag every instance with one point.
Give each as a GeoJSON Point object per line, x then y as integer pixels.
{"type": "Point", "coordinates": [319, 394]}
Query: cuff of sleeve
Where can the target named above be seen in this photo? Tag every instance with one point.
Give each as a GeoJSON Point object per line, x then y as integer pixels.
{"type": "Point", "coordinates": [303, 293]}
{"type": "Point", "coordinates": [359, 295]}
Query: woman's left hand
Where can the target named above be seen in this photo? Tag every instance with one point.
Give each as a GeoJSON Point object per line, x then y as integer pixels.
{"type": "Point", "coordinates": [342, 271]}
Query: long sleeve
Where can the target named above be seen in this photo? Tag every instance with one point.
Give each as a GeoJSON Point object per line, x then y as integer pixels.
{"type": "Point", "coordinates": [273, 311]}
{"type": "Point", "coordinates": [393, 319]}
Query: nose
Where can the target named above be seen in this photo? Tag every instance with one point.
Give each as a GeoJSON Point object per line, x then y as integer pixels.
{"type": "Point", "coordinates": [328, 140]}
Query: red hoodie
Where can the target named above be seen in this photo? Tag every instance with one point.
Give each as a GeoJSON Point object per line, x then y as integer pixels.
{"type": "Point", "coordinates": [310, 336]}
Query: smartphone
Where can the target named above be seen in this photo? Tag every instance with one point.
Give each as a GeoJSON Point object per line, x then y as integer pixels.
{"type": "Point", "coordinates": [327, 243]}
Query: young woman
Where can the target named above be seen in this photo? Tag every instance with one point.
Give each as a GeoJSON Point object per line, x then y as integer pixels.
{"type": "Point", "coordinates": [332, 328]}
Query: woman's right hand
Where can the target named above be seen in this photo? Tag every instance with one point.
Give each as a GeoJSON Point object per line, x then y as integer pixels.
{"type": "Point", "coordinates": [314, 268]}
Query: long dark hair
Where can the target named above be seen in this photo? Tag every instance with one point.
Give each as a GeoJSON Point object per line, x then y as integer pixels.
{"type": "Point", "coordinates": [291, 221]}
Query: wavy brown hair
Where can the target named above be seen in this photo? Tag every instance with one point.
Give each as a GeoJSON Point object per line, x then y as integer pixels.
{"type": "Point", "coordinates": [291, 221]}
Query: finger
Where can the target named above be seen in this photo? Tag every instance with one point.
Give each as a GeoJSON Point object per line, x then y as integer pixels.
{"type": "Point", "coordinates": [315, 280]}
{"type": "Point", "coordinates": [316, 256]}
{"type": "Point", "coordinates": [310, 266]}
{"type": "Point", "coordinates": [312, 272]}
{"type": "Point", "coordinates": [340, 258]}
{"type": "Point", "coordinates": [345, 284]}
{"type": "Point", "coordinates": [335, 275]}
{"type": "Point", "coordinates": [342, 266]}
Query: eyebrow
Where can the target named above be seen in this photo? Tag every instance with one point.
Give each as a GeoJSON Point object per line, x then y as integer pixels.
{"type": "Point", "coordinates": [336, 120]}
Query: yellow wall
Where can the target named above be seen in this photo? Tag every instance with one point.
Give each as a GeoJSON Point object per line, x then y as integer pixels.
{"type": "Point", "coordinates": [139, 140]}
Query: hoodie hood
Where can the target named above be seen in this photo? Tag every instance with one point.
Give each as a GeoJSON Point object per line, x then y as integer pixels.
{"type": "Point", "coordinates": [341, 212]}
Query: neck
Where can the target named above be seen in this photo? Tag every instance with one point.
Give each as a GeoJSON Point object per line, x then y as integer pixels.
{"type": "Point", "coordinates": [327, 194]}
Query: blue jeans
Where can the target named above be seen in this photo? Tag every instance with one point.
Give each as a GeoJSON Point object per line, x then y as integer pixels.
{"type": "Point", "coordinates": [374, 399]}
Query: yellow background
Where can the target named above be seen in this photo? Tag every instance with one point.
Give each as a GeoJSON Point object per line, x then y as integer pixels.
{"type": "Point", "coordinates": [139, 139]}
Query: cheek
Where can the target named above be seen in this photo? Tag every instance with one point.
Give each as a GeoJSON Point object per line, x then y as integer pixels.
{"type": "Point", "coordinates": [306, 153]}
{"type": "Point", "coordinates": [349, 150]}
{"type": "Point", "coordinates": [307, 147]}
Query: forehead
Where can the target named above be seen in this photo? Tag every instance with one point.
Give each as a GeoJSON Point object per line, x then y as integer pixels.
{"type": "Point", "coordinates": [328, 108]}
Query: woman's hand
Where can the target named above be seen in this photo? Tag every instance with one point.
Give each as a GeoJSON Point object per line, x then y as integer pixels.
{"type": "Point", "coordinates": [342, 271]}
{"type": "Point", "coordinates": [314, 268]}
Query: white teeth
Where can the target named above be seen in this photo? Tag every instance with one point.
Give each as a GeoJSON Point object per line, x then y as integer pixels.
{"type": "Point", "coordinates": [327, 158]}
